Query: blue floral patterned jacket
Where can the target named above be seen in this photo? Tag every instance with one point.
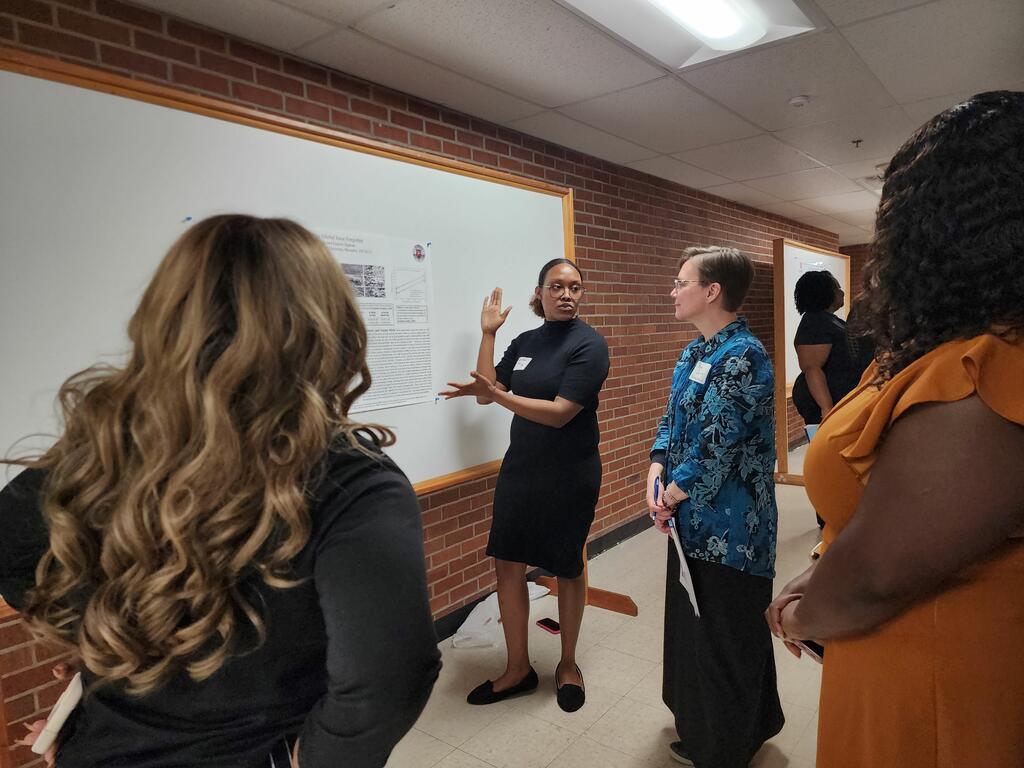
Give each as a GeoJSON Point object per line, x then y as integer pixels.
{"type": "Point", "coordinates": [717, 442]}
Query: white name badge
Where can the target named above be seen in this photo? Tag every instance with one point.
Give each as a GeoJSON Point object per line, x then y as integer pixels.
{"type": "Point", "coordinates": [522, 362]}
{"type": "Point", "coordinates": [700, 372]}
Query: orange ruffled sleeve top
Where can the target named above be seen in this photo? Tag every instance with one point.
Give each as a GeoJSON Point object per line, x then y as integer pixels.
{"type": "Point", "coordinates": [942, 684]}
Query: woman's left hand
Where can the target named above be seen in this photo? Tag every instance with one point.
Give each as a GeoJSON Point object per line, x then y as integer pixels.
{"type": "Point", "coordinates": [480, 386]}
{"type": "Point", "coordinates": [34, 729]}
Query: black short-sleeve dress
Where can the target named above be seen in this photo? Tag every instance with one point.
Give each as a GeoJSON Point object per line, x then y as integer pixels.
{"type": "Point", "coordinates": [841, 373]}
{"type": "Point", "coordinates": [550, 478]}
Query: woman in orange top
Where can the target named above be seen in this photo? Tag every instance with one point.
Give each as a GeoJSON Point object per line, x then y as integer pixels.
{"type": "Point", "coordinates": [919, 472]}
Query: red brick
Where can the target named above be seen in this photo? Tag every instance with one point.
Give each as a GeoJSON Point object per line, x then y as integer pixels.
{"type": "Point", "coordinates": [441, 130]}
{"type": "Point", "coordinates": [280, 82]}
{"type": "Point", "coordinates": [391, 98]}
{"type": "Point", "coordinates": [231, 67]}
{"type": "Point", "coordinates": [349, 85]}
{"type": "Point", "coordinates": [14, 633]}
{"type": "Point", "coordinates": [471, 139]}
{"type": "Point", "coordinates": [130, 14]}
{"type": "Point", "coordinates": [260, 96]}
{"type": "Point", "coordinates": [47, 697]}
{"type": "Point", "coordinates": [82, 5]}
{"type": "Point", "coordinates": [326, 96]}
{"type": "Point", "coordinates": [498, 147]}
{"type": "Point", "coordinates": [189, 33]}
{"type": "Point", "coordinates": [161, 46]}
{"type": "Point", "coordinates": [27, 679]}
{"type": "Point", "coordinates": [350, 122]}
{"type": "Point", "coordinates": [33, 10]}
{"type": "Point", "coordinates": [368, 108]}
{"type": "Point", "coordinates": [58, 42]}
{"type": "Point", "coordinates": [391, 133]}
{"type": "Point", "coordinates": [134, 62]}
{"type": "Point", "coordinates": [90, 26]}
{"type": "Point", "coordinates": [6, 28]}
{"type": "Point", "coordinates": [15, 660]}
{"type": "Point", "coordinates": [305, 70]}
{"type": "Point", "coordinates": [458, 150]}
{"type": "Point", "coordinates": [486, 158]}
{"type": "Point", "coordinates": [307, 109]}
{"type": "Point", "coordinates": [428, 143]}
{"type": "Point", "coordinates": [197, 78]}
{"type": "Point", "coordinates": [508, 164]}
{"type": "Point", "coordinates": [50, 652]}
{"type": "Point", "coordinates": [424, 110]}
{"type": "Point", "coordinates": [411, 122]}
{"type": "Point", "coordinates": [20, 708]}
{"type": "Point", "coordinates": [256, 55]}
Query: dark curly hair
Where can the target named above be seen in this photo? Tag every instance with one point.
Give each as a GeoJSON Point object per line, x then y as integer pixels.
{"type": "Point", "coordinates": [815, 291]}
{"type": "Point", "coordinates": [947, 259]}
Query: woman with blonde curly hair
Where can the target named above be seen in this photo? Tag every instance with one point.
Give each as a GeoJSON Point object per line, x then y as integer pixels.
{"type": "Point", "coordinates": [214, 537]}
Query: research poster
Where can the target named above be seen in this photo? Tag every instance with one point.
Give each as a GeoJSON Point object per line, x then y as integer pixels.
{"type": "Point", "coordinates": [391, 278]}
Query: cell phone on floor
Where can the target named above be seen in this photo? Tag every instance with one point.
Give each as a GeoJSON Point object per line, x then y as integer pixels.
{"type": "Point", "coordinates": [815, 650]}
{"type": "Point", "coordinates": [549, 625]}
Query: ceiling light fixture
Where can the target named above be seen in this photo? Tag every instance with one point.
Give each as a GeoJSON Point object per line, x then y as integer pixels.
{"type": "Point", "coordinates": [720, 24]}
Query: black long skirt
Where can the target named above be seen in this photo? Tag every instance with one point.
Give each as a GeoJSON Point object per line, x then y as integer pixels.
{"type": "Point", "coordinates": [719, 675]}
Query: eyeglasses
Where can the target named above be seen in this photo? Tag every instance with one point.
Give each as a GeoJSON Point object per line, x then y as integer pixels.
{"type": "Point", "coordinates": [678, 285]}
{"type": "Point", "coordinates": [555, 290]}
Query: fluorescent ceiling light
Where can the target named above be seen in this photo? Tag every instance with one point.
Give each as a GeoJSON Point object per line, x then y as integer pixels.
{"type": "Point", "coordinates": [720, 24]}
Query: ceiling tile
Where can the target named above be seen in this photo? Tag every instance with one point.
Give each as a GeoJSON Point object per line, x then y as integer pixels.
{"type": "Point", "coordinates": [854, 236]}
{"type": "Point", "coordinates": [864, 219]}
{"type": "Point", "coordinates": [881, 133]}
{"type": "Point", "coordinates": [920, 112]}
{"type": "Point", "coordinates": [679, 172]}
{"type": "Point", "coordinates": [861, 169]}
{"type": "Point", "coordinates": [789, 210]}
{"type": "Point", "coordinates": [534, 49]}
{"type": "Point", "coordinates": [741, 193]}
{"type": "Point", "coordinates": [666, 115]}
{"type": "Point", "coordinates": [758, 85]}
{"type": "Point", "coordinates": [823, 222]}
{"type": "Point", "coordinates": [340, 13]}
{"type": "Point", "coordinates": [944, 47]}
{"type": "Point", "coordinates": [801, 185]}
{"type": "Point", "coordinates": [569, 133]}
{"type": "Point", "coordinates": [847, 201]}
{"type": "Point", "coordinates": [260, 21]}
{"type": "Point", "coordinates": [358, 55]}
{"type": "Point", "coordinates": [749, 158]}
{"type": "Point", "coordinates": [848, 11]}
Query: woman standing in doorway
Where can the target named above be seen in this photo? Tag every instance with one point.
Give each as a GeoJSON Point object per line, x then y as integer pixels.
{"type": "Point", "coordinates": [550, 477]}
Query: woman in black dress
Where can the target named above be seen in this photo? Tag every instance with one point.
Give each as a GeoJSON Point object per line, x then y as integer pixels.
{"type": "Point", "coordinates": [550, 477]}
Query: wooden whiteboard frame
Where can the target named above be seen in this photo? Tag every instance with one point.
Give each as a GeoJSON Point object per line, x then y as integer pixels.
{"type": "Point", "coordinates": [32, 65]}
{"type": "Point", "coordinates": [783, 391]}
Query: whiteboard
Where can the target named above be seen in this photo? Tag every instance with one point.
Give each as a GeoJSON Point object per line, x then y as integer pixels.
{"type": "Point", "coordinates": [799, 259]}
{"type": "Point", "coordinates": [96, 187]}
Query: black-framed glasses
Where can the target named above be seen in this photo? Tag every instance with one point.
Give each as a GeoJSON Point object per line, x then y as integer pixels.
{"type": "Point", "coordinates": [555, 290]}
{"type": "Point", "coordinates": [678, 285]}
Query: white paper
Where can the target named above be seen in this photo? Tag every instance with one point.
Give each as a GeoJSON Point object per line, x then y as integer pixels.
{"type": "Point", "coordinates": [684, 571]}
{"type": "Point", "coordinates": [391, 278]}
{"type": "Point", "coordinates": [521, 363]}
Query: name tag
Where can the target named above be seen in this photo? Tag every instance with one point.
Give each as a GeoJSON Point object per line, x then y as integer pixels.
{"type": "Point", "coordinates": [521, 363]}
{"type": "Point", "coordinates": [700, 372]}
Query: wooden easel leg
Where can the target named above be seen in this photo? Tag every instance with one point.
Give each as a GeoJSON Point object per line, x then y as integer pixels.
{"type": "Point", "coordinates": [599, 598]}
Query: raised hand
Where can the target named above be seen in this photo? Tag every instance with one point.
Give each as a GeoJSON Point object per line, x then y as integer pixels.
{"type": "Point", "coordinates": [491, 316]}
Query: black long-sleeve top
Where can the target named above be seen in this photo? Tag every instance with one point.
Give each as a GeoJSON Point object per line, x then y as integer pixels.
{"type": "Point", "coordinates": [348, 662]}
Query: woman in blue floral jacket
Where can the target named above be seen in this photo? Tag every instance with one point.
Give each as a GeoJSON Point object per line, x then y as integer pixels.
{"type": "Point", "coordinates": [714, 456]}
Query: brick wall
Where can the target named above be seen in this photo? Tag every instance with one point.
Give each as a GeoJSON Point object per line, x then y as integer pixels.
{"type": "Point", "coordinates": [630, 228]}
{"type": "Point", "coordinates": [858, 258]}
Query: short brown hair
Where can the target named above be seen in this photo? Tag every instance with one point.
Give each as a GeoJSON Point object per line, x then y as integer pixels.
{"type": "Point", "coordinates": [726, 266]}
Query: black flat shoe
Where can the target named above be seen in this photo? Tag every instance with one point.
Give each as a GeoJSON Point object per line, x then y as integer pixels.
{"type": "Point", "coordinates": [570, 696]}
{"type": "Point", "coordinates": [485, 693]}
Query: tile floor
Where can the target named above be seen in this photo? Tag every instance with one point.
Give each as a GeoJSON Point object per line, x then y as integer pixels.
{"type": "Point", "coordinates": [624, 723]}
